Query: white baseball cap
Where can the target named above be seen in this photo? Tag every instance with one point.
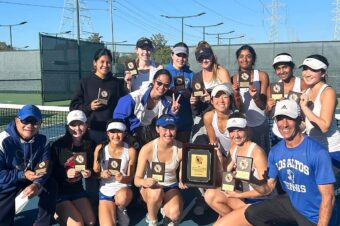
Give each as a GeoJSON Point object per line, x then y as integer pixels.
{"type": "Point", "coordinates": [225, 87]}
{"type": "Point", "coordinates": [288, 108]}
{"type": "Point", "coordinates": [76, 115]}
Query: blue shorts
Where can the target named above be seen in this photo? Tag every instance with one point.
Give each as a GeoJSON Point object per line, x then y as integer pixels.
{"type": "Point", "coordinates": [105, 197]}
{"type": "Point", "coordinates": [252, 201]}
{"type": "Point", "coordinates": [71, 197]}
{"type": "Point", "coordinates": [168, 188]}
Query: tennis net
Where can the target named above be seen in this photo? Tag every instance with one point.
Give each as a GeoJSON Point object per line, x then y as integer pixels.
{"type": "Point", "coordinates": [54, 118]}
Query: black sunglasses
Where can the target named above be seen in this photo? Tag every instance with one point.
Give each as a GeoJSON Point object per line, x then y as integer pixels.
{"type": "Point", "coordinates": [166, 85]}
{"type": "Point", "coordinates": [183, 55]}
{"type": "Point", "coordinates": [29, 120]}
{"type": "Point", "coordinates": [200, 59]}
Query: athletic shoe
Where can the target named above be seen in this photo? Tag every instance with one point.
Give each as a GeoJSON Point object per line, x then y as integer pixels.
{"type": "Point", "coordinates": [150, 222]}
{"type": "Point", "coordinates": [337, 192]}
{"type": "Point", "coordinates": [167, 222]}
{"type": "Point", "coordinates": [123, 217]}
{"type": "Point", "coordinates": [200, 206]}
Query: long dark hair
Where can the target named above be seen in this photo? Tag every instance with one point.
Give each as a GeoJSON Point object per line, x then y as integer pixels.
{"type": "Point", "coordinates": [99, 53]}
{"type": "Point", "coordinates": [162, 72]}
{"type": "Point", "coordinates": [250, 49]}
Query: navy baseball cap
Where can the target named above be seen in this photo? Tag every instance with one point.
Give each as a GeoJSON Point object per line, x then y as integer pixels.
{"type": "Point", "coordinates": [203, 53]}
{"type": "Point", "coordinates": [144, 42]}
{"type": "Point", "coordinates": [29, 110]}
{"type": "Point", "coordinates": [166, 120]}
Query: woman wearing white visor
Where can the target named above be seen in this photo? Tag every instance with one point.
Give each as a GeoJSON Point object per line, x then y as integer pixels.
{"type": "Point", "coordinates": [231, 205]}
{"type": "Point", "coordinates": [116, 163]}
{"type": "Point", "coordinates": [284, 68]}
{"type": "Point", "coordinates": [318, 104]}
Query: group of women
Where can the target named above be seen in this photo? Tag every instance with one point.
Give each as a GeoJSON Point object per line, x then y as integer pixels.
{"type": "Point", "coordinates": [146, 118]}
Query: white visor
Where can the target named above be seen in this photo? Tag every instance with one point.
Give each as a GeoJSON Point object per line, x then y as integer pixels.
{"type": "Point", "coordinates": [282, 59]}
{"type": "Point", "coordinates": [313, 63]}
{"type": "Point", "coordinates": [180, 49]}
{"type": "Point", "coordinates": [236, 123]}
{"type": "Point", "coordinates": [116, 125]}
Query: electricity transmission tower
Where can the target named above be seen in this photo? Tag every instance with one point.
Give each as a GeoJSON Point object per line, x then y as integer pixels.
{"type": "Point", "coordinates": [71, 11]}
{"type": "Point", "coordinates": [337, 20]}
{"type": "Point", "coordinates": [273, 32]}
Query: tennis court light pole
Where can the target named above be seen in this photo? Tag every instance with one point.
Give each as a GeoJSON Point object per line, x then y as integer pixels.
{"type": "Point", "coordinates": [78, 37]}
{"type": "Point", "coordinates": [218, 35]}
{"type": "Point", "coordinates": [204, 26]}
{"type": "Point", "coordinates": [182, 19]}
{"type": "Point", "coordinates": [229, 40]}
{"type": "Point", "coordinates": [10, 30]}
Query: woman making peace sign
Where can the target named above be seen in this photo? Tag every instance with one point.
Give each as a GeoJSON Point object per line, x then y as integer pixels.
{"type": "Point", "coordinates": [142, 107]}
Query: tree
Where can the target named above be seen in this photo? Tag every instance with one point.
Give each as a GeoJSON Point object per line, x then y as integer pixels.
{"type": "Point", "coordinates": [95, 37]}
{"type": "Point", "coordinates": [162, 55]}
{"type": "Point", "coordinates": [4, 46]}
{"type": "Point", "coordinates": [162, 52]}
{"type": "Point", "coordinates": [158, 41]}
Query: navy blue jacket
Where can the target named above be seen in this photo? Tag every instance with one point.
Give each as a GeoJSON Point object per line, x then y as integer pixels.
{"type": "Point", "coordinates": [17, 155]}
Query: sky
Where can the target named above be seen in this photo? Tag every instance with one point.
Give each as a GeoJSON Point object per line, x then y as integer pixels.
{"type": "Point", "coordinates": [296, 20]}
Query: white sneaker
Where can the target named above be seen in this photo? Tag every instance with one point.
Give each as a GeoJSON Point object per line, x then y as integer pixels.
{"type": "Point", "coordinates": [168, 222]}
{"type": "Point", "coordinates": [122, 217]}
{"type": "Point", "coordinates": [150, 222]}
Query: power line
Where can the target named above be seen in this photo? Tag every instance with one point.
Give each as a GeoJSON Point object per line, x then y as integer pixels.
{"type": "Point", "coordinates": [41, 6]}
{"type": "Point", "coordinates": [223, 16]}
{"type": "Point", "coordinates": [264, 6]}
{"type": "Point", "coordinates": [246, 7]}
{"type": "Point", "coordinates": [140, 20]}
{"type": "Point", "coordinates": [146, 18]}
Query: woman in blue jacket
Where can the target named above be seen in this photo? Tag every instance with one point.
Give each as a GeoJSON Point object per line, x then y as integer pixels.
{"type": "Point", "coordinates": [180, 71]}
{"type": "Point", "coordinates": [142, 107]}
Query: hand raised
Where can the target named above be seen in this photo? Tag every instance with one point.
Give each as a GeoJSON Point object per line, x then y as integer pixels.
{"type": "Point", "coordinates": [175, 103]}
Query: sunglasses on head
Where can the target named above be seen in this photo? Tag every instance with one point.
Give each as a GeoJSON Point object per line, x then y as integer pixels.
{"type": "Point", "coordinates": [29, 120]}
{"type": "Point", "coordinates": [183, 55]}
{"type": "Point", "coordinates": [200, 59]}
{"type": "Point", "coordinates": [166, 85]}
